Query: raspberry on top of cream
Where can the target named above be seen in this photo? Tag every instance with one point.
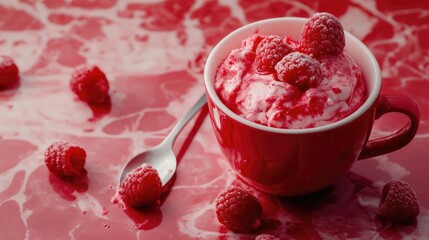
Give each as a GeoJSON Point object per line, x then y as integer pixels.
{"type": "Point", "coordinates": [301, 91]}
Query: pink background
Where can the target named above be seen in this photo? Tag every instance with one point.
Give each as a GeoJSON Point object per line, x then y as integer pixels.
{"type": "Point", "coordinates": [153, 55]}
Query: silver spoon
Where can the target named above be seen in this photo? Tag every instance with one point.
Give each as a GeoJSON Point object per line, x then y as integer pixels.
{"type": "Point", "coordinates": [162, 157]}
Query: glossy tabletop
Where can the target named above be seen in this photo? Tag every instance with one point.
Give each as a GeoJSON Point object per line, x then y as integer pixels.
{"type": "Point", "coordinates": [153, 54]}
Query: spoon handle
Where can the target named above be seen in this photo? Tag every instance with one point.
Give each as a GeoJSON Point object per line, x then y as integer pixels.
{"type": "Point", "coordinates": [184, 120]}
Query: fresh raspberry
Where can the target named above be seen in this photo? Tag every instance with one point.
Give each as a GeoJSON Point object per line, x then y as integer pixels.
{"type": "Point", "coordinates": [399, 202]}
{"type": "Point", "coordinates": [237, 209]}
{"type": "Point", "coordinates": [90, 84]}
{"type": "Point", "coordinates": [266, 237]}
{"type": "Point", "coordinates": [269, 51]}
{"type": "Point", "coordinates": [9, 73]}
{"type": "Point", "coordinates": [322, 35]}
{"type": "Point", "coordinates": [299, 70]}
{"type": "Point", "coordinates": [64, 159]}
{"type": "Point", "coordinates": [141, 187]}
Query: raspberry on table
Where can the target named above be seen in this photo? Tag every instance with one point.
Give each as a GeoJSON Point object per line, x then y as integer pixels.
{"type": "Point", "coordinates": [269, 51]}
{"type": "Point", "coordinates": [266, 237]}
{"type": "Point", "coordinates": [64, 159]}
{"type": "Point", "coordinates": [141, 187]}
{"type": "Point", "coordinates": [90, 84]}
{"type": "Point", "coordinates": [9, 73]}
{"type": "Point", "coordinates": [322, 35]}
{"type": "Point", "coordinates": [300, 70]}
{"type": "Point", "coordinates": [237, 209]}
{"type": "Point", "coordinates": [399, 202]}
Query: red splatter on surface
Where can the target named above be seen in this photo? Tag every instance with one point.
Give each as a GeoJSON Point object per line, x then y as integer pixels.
{"type": "Point", "coordinates": [63, 51]}
{"type": "Point", "coordinates": [86, 4]}
{"type": "Point", "coordinates": [11, 209]}
{"type": "Point", "coordinates": [215, 21]}
{"type": "Point", "coordinates": [255, 12]}
{"type": "Point", "coordinates": [162, 16]}
{"type": "Point", "coordinates": [90, 28]}
{"type": "Point", "coordinates": [14, 151]}
{"type": "Point", "coordinates": [60, 19]}
{"type": "Point", "coordinates": [18, 20]}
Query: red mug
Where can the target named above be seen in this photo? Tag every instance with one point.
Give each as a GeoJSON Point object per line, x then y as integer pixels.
{"type": "Point", "coordinates": [292, 162]}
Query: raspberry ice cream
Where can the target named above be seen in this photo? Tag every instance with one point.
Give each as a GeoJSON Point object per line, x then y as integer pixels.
{"type": "Point", "coordinates": [298, 91]}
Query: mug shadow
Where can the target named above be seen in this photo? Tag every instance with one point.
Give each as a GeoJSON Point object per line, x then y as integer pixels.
{"type": "Point", "coordinates": [348, 208]}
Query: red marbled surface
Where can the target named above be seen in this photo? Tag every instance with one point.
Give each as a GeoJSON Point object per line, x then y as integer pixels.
{"type": "Point", "coordinates": [153, 54]}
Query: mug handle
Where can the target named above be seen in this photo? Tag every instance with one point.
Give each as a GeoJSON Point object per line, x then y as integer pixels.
{"type": "Point", "coordinates": [393, 103]}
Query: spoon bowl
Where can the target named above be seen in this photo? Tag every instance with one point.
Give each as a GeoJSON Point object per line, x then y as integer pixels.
{"type": "Point", "coordinates": [161, 157]}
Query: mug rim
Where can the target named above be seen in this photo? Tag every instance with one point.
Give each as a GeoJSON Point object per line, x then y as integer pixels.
{"type": "Point", "coordinates": [371, 98]}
